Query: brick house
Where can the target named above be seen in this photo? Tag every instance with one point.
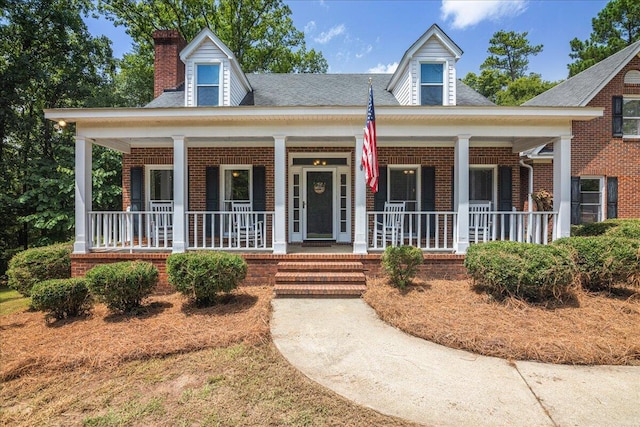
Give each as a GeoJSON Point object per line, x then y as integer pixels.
{"type": "Point", "coordinates": [605, 152]}
{"type": "Point", "coordinates": [270, 163]}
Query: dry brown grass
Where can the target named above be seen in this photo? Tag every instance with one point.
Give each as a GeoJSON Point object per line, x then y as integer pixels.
{"type": "Point", "coordinates": [591, 329]}
{"type": "Point", "coordinates": [172, 365]}
{"type": "Point", "coordinates": [167, 325]}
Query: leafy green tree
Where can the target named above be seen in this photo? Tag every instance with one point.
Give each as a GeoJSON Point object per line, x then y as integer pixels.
{"type": "Point", "coordinates": [48, 60]}
{"type": "Point", "coordinates": [260, 33]}
{"type": "Point", "coordinates": [614, 28]}
{"type": "Point", "coordinates": [523, 89]}
{"type": "Point", "coordinates": [510, 52]}
{"type": "Point", "coordinates": [503, 79]}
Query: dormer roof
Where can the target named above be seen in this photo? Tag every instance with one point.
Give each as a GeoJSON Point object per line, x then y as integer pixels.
{"type": "Point", "coordinates": [207, 35]}
{"type": "Point", "coordinates": [433, 31]}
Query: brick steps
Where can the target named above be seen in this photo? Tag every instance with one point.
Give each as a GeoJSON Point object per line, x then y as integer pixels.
{"type": "Point", "coordinates": [320, 279]}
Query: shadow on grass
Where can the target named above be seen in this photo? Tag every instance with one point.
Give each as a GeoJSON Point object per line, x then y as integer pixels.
{"type": "Point", "coordinates": [567, 301]}
{"type": "Point", "coordinates": [222, 305]}
{"type": "Point", "coordinates": [143, 312]}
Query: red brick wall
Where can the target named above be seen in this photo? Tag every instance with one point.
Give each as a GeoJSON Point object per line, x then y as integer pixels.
{"type": "Point", "coordinates": [595, 152]}
{"type": "Point", "coordinates": [168, 68]}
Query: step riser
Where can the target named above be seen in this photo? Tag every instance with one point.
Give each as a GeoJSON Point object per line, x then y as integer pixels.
{"type": "Point", "coordinates": [320, 279]}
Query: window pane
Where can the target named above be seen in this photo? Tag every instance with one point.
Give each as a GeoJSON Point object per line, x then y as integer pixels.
{"type": "Point", "coordinates": [208, 96]}
{"type": "Point", "coordinates": [590, 197]}
{"type": "Point", "coordinates": [590, 214]}
{"type": "Point", "coordinates": [161, 184]}
{"type": "Point", "coordinates": [431, 95]}
{"type": "Point", "coordinates": [208, 74]}
{"type": "Point", "coordinates": [631, 108]}
{"type": "Point", "coordinates": [403, 185]}
{"type": "Point", "coordinates": [631, 126]}
{"type": "Point", "coordinates": [431, 73]}
{"type": "Point", "coordinates": [481, 184]}
{"type": "Point", "coordinates": [589, 185]}
{"type": "Point", "coordinates": [236, 185]}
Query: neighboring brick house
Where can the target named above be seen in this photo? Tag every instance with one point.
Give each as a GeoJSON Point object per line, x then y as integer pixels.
{"type": "Point", "coordinates": [605, 152]}
{"type": "Point", "coordinates": [224, 160]}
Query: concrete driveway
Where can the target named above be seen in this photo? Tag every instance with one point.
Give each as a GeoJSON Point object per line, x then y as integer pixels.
{"type": "Point", "coordinates": [343, 345]}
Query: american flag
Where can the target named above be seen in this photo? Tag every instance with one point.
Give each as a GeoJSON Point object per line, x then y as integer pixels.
{"type": "Point", "coordinates": [369, 148]}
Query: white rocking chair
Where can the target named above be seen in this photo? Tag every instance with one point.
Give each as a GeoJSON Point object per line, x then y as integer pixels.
{"type": "Point", "coordinates": [391, 228]}
{"type": "Point", "coordinates": [479, 222]}
{"type": "Point", "coordinates": [161, 222]}
{"type": "Point", "coordinates": [248, 230]}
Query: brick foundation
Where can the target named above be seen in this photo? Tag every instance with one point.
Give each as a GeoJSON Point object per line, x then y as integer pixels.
{"type": "Point", "coordinates": [263, 267]}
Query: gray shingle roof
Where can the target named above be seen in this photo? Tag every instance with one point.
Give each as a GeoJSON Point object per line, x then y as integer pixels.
{"type": "Point", "coordinates": [581, 88]}
{"type": "Point", "coordinates": [274, 90]}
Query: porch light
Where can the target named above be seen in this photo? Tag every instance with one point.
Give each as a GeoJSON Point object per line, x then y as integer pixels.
{"type": "Point", "coordinates": [62, 123]}
{"type": "Point", "coordinates": [235, 174]}
{"type": "Point", "coordinates": [409, 171]}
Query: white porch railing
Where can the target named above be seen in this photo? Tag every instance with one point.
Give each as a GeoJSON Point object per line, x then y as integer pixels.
{"type": "Point", "coordinates": [429, 231]}
{"type": "Point", "coordinates": [226, 231]}
{"type": "Point", "coordinates": [130, 230]}
{"type": "Point", "coordinates": [529, 227]}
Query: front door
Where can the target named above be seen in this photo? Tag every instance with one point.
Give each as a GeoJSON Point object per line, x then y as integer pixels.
{"type": "Point", "coordinates": [319, 205]}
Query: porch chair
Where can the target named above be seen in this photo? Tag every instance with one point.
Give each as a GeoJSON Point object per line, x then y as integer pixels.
{"type": "Point", "coordinates": [390, 229]}
{"type": "Point", "coordinates": [247, 230]}
{"type": "Point", "coordinates": [161, 222]}
{"type": "Point", "coordinates": [479, 222]}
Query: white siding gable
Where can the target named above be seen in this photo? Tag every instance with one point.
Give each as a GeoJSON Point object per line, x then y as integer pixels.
{"type": "Point", "coordinates": [433, 47]}
{"type": "Point", "coordinates": [207, 49]}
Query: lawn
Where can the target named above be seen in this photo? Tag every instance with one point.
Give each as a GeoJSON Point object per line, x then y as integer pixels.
{"type": "Point", "coordinates": [173, 365]}
{"type": "Point", "coordinates": [591, 328]}
{"type": "Point", "coordinates": [11, 301]}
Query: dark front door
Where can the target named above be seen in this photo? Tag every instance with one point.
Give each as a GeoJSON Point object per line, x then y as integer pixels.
{"type": "Point", "coordinates": [319, 205]}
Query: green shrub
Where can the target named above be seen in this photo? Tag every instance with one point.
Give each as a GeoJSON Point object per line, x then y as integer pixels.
{"type": "Point", "coordinates": [604, 261]}
{"type": "Point", "coordinates": [401, 264]}
{"type": "Point", "coordinates": [523, 270]}
{"type": "Point", "coordinates": [62, 297]}
{"type": "Point", "coordinates": [629, 230]}
{"type": "Point", "coordinates": [39, 264]}
{"type": "Point", "coordinates": [122, 285]}
{"type": "Point", "coordinates": [593, 229]}
{"type": "Point", "coordinates": [202, 276]}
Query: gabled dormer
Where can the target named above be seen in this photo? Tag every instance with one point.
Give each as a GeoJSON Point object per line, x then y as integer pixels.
{"type": "Point", "coordinates": [213, 76]}
{"type": "Point", "coordinates": [426, 74]}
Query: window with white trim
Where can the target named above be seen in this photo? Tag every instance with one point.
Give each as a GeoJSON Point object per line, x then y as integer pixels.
{"type": "Point", "coordinates": [481, 184]}
{"type": "Point", "coordinates": [236, 182]}
{"type": "Point", "coordinates": [208, 85]}
{"type": "Point", "coordinates": [403, 186]}
{"type": "Point", "coordinates": [591, 199]}
{"type": "Point", "coordinates": [631, 117]}
{"type": "Point", "coordinates": [160, 183]}
{"type": "Point", "coordinates": [431, 83]}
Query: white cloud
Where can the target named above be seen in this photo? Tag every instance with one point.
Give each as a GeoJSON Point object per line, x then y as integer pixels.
{"type": "Point", "coordinates": [326, 36]}
{"type": "Point", "coordinates": [469, 13]}
{"type": "Point", "coordinates": [311, 26]}
{"type": "Point", "coordinates": [364, 52]}
{"type": "Point", "coordinates": [384, 69]}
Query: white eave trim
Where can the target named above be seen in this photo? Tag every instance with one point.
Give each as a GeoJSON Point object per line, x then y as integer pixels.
{"type": "Point", "coordinates": [72, 115]}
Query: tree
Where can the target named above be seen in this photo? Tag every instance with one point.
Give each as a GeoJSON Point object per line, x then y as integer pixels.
{"type": "Point", "coordinates": [503, 79]}
{"type": "Point", "coordinates": [614, 28]}
{"type": "Point", "coordinates": [260, 33]}
{"type": "Point", "coordinates": [510, 52]}
{"type": "Point", "coordinates": [48, 60]}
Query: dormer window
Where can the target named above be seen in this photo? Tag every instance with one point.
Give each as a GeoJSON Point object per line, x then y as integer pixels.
{"type": "Point", "coordinates": [208, 85]}
{"type": "Point", "coordinates": [431, 84]}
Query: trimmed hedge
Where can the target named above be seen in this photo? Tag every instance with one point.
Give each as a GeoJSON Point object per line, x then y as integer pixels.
{"type": "Point", "coordinates": [202, 276]}
{"type": "Point", "coordinates": [62, 297]}
{"type": "Point", "coordinates": [401, 264]}
{"type": "Point", "coordinates": [39, 264]}
{"type": "Point", "coordinates": [612, 227]}
{"type": "Point", "coordinates": [123, 285]}
{"type": "Point", "coordinates": [604, 261]}
{"type": "Point", "coordinates": [523, 270]}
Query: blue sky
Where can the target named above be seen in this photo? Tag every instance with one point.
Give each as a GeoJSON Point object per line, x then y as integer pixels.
{"type": "Point", "coordinates": [371, 36]}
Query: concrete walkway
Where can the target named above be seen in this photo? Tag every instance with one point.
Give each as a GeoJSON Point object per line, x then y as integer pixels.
{"type": "Point", "coordinates": [343, 345]}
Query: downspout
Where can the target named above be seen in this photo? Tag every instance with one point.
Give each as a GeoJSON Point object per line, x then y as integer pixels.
{"type": "Point", "coordinates": [529, 198]}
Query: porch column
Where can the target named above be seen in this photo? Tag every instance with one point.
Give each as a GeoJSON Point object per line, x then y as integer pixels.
{"type": "Point", "coordinates": [280, 192]}
{"type": "Point", "coordinates": [180, 194]}
{"type": "Point", "coordinates": [360, 202]}
{"type": "Point", "coordinates": [84, 148]}
{"type": "Point", "coordinates": [562, 185]}
{"type": "Point", "coordinates": [461, 192]}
